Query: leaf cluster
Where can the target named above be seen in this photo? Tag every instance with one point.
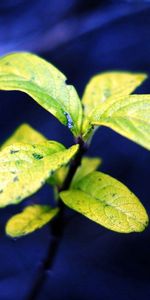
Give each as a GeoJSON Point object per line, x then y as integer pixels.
{"type": "Point", "coordinates": [28, 160]}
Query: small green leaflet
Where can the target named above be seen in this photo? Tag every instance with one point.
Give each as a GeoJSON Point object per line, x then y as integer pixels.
{"type": "Point", "coordinates": [24, 134]}
{"type": "Point", "coordinates": [24, 168]}
{"type": "Point", "coordinates": [128, 116]}
{"type": "Point", "coordinates": [103, 91]}
{"type": "Point", "coordinates": [31, 74]}
{"type": "Point", "coordinates": [30, 219]}
{"type": "Point", "coordinates": [88, 165]}
{"type": "Point", "coordinates": [108, 202]}
{"type": "Point", "coordinates": [58, 177]}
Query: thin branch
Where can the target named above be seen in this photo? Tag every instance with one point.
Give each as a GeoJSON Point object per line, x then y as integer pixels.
{"type": "Point", "coordinates": [57, 226]}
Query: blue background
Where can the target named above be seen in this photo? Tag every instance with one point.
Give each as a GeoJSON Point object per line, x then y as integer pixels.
{"type": "Point", "coordinates": [81, 38]}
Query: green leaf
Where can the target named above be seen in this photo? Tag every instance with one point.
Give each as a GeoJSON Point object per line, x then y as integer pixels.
{"type": "Point", "coordinates": [45, 84]}
{"type": "Point", "coordinates": [108, 202]}
{"type": "Point", "coordinates": [88, 165]}
{"type": "Point", "coordinates": [104, 90]}
{"type": "Point", "coordinates": [128, 116]}
{"type": "Point", "coordinates": [24, 134]}
{"type": "Point", "coordinates": [30, 219]}
{"type": "Point", "coordinates": [24, 168]}
{"type": "Point", "coordinates": [59, 176]}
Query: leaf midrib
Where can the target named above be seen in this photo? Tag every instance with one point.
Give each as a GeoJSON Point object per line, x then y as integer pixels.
{"type": "Point", "coordinates": [114, 207]}
{"type": "Point", "coordinates": [60, 103]}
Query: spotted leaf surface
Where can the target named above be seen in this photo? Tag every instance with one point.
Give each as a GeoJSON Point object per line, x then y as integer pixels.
{"type": "Point", "coordinates": [108, 202]}
{"type": "Point", "coordinates": [24, 168]}
{"type": "Point", "coordinates": [24, 134]}
{"type": "Point", "coordinates": [104, 90]}
{"type": "Point", "coordinates": [31, 74]}
{"type": "Point", "coordinates": [128, 116]}
{"type": "Point", "coordinates": [30, 219]}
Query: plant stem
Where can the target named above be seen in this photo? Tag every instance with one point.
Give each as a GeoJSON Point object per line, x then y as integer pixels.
{"type": "Point", "coordinates": [76, 162]}
{"type": "Point", "coordinates": [57, 225]}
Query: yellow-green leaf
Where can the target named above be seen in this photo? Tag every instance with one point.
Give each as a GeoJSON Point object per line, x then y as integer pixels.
{"type": "Point", "coordinates": [25, 134]}
{"type": "Point", "coordinates": [128, 116]}
{"type": "Point", "coordinates": [88, 165]}
{"type": "Point", "coordinates": [108, 202]}
{"type": "Point", "coordinates": [104, 89]}
{"type": "Point", "coordinates": [24, 168]}
{"type": "Point", "coordinates": [30, 219]}
{"type": "Point", "coordinates": [59, 176]}
{"type": "Point", "coordinates": [31, 74]}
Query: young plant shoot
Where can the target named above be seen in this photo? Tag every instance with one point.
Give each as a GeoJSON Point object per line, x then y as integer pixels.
{"type": "Point", "coordinates": [28, 160]}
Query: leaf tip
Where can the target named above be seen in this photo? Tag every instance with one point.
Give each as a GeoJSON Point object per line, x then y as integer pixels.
{"type": "Point", "coordinates": [142, 77]}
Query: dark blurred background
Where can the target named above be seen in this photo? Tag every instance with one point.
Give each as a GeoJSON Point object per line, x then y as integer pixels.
{"type": "Point", "coordinates": [81, 38]}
